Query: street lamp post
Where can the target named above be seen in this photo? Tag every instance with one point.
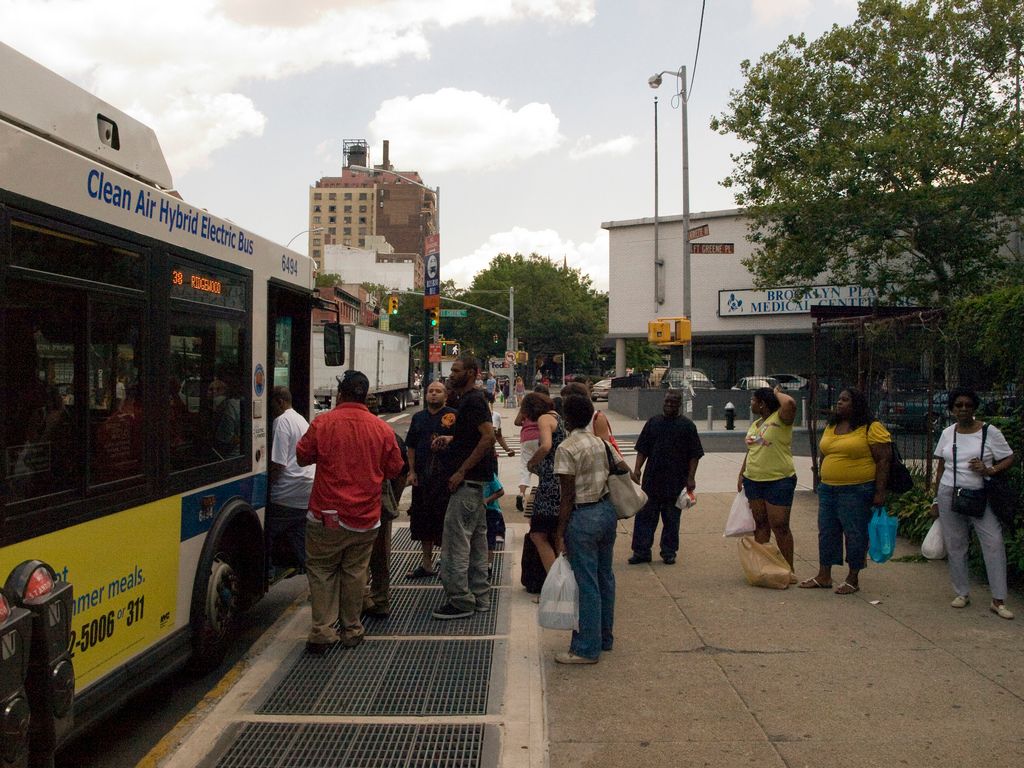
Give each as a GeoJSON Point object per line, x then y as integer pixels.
{"type": "Point", "coordinates": [654, 81]}
{"type": "Point", "coordinates": [436, 192]}
{"type": "Point", "coordinates": [303, 232]}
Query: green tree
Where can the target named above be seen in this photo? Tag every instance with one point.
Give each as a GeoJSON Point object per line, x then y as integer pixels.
{"type": "Point", "coordinates": [557, 310]}
{"type": "Point", "coordinates": [327, 279]}
{"type": "Point", "coordinates": [887, 153]}
{"type": "Point", "coordinates": [641, 355]}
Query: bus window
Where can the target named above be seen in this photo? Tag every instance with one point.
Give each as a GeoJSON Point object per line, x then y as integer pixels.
{"type": "Point", "coordinates": [115, 395]}
{"type": "Point", "coordinates": [39, 433]}
{"type": "Point", "coordinates": [207, 371]}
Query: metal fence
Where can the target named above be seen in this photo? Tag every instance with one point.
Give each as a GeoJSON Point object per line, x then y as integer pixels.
{"type": "Point", "coordinates": [905, 361]}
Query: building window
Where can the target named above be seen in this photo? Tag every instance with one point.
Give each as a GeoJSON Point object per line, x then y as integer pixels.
{"type": "Point", "coordinates": [332, 219]}
{"type": "Point", "coordinates": [316, 219]}
{"type": "Point", "coordinates": [362, 241]}
{"type": "Point", "coordinates": [348, 209]}
{"type": "Point", "coordinates": [316, 253]}
{"type": "Point", "coordinates": [332, 208]}
{"type": "Point", "coordinates": [362, 196]}
{"type": "Point", "coordinates": [348, 219]}
{"type": "Point", "coordinates": [362, 209]}
{"type": "Point", "coordinates": [362, 230]}
{"type": "Point", "coordinates": [347, 231]}
{"type": "Point", "coordinates": [316, 195]}
{"type": "Point", "coordinates": [348, 195]}
{"type": "Point", "coordinates": [362, 219]}
{"type": "Point", "coordinates": [316, 208]}
{"type": "Point", "coordinates": [332, 196]}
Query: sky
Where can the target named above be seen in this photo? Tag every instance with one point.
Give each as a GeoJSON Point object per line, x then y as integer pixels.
{"type": "Point", "coordinates": [533, 117]}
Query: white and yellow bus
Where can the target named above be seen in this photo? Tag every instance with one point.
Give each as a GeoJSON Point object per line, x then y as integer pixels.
{"type": "Point", "coordinates": [140, 337]}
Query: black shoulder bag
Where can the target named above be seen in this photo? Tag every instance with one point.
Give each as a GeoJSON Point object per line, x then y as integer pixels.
{"type": "Point", "coordinates": [1001, 497]}
{"type": "Point", "coordinates": [970, 502]}
{"type": "Point", "coordinates": [900, 480]}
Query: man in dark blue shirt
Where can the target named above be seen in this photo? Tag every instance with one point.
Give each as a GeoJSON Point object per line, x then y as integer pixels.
{"type": "Point", "coordinates": [670, 447]}
{"type": "Point", "coordinates": [428, 477]}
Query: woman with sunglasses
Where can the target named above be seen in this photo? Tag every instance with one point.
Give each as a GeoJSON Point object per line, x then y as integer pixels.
{"type": "Point", "coordinates": [967, 453]}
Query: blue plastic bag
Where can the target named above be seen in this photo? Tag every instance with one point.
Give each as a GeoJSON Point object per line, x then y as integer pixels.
{"type": "Point", "coordinates": [882, 534]}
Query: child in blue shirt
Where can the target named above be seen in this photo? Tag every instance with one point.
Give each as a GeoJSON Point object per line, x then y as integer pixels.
{"type": "Point", "coordinates": [493, 491]}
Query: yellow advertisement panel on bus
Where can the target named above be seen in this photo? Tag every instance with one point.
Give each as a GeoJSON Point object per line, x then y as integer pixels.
{"type": "Point", "coordinates": [124, 570]}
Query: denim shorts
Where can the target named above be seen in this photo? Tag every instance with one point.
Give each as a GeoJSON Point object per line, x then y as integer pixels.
{"type": "Point", "coordinates": [778, 493]}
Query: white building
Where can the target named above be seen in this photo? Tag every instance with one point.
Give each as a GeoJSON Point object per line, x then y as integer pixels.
{"type": "Point", "coordinates": [366, 265]}
{"type": "Point", "coordinates": [737, 330]}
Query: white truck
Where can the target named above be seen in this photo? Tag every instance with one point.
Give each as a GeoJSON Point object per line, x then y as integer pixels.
{"type": "Point", "coordinates": [381, 355]}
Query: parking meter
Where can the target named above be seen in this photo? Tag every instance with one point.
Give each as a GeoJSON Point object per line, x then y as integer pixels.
{"type": "Point", "coordinates": [50, 683]}
{"type": "Point", "coordinates": [15, 641]}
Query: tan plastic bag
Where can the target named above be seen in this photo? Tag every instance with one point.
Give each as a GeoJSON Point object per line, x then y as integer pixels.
{"type": "Point", "coordinates": [763, 564]}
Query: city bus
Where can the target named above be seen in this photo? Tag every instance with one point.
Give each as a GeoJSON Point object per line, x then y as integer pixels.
{"type": "Point", "coordinates": [140, 337]}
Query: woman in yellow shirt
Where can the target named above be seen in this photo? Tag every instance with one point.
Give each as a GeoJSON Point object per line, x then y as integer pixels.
{"type": "Point", "coordinates": [855, 452]}
{"type": "Point", "coordinates": [768, 476]}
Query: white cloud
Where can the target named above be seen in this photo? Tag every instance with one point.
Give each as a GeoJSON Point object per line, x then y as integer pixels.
{"type": "Point", "coordinates": [774, 11]}
{"type": "Point", "coordinates": [180, 66]}
{"type": "Point", "coordinates": [464, 130]}
{"type": "Point", "coordinates": [590, 257]}
{"type": "Point", "coordinates": [586, 148]}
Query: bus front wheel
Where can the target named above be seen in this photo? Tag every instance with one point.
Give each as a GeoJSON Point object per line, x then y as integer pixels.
{"type": "Point", "coordinates": [216, 623]}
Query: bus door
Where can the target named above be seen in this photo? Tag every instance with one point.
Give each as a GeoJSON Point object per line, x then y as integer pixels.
{"type": "Point", "coordinates": [288, 341]}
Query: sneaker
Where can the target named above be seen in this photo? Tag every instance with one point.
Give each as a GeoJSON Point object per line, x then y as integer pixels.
{"type": "Point", "coordinates": [668, 559]}
{"type": "Point", "coordinates": [318, 649]}
{"type": "Point", "coordinates": [519, 503]}
{"type": "Point", "coordinates": [961, 601]}
{"type": "Point", "coordinates": [377, 612]}
{"type": "Point", "coordinates": [420, 573]}
{"type": "Point", "coordinates": [483, 608]}
{"type": "Point", "coordinates": [352, 641]}
{"type": "Point", "coordinates": [637, 559]}
{"type": "Point", "coordinates": [449, 611]}
{"type": "Point", "coordinates": [1001, 611]}
{"type": "Point", "coordinates": [568, 657]}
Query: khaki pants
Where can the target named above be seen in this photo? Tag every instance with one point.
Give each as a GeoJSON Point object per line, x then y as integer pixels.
{"type": "Point", "coordinates": [337, 563]}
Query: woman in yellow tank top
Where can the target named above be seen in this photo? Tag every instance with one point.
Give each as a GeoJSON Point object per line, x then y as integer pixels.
{"type": "Point", "coordinates": [855, 451]}
{"type": "Point", "coordinates": [768, 476]}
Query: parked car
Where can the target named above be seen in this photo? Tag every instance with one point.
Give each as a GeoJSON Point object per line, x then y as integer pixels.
{"type": "Point", "coordinates": [756, 382]}
{"type": "Point", "coordinates": [791, 382]}
{"type": "Point", "coordinates": [600, 390]}
{"type": "Point", "coordinates": [674, 378]}
{"type": "Point", "coordinates": [910, 411]}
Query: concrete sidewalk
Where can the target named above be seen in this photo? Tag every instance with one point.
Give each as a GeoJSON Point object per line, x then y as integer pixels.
{"type": "Point", "coordinates": [708, 671]}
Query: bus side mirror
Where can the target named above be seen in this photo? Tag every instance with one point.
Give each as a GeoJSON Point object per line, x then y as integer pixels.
{"type": "Point", "coordinates": [334, 349]}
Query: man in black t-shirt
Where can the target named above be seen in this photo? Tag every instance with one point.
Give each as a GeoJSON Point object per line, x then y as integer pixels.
{"type": "Point", "coordinates": [670, 447]}
{"type": "Point", "coordinates": [470, 463]}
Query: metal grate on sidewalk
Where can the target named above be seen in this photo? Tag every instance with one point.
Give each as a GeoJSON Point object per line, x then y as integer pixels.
{"type": "Point", "coordinates": [404, 562]}
{"type": "Point", "coordinates": [330, 745]}
{"type": "Point", "coordinates": [388, 677]}
{"type": "Point", "coordinates": [411, 610]}
{"type": "Point", "coordinates": [401, 541]}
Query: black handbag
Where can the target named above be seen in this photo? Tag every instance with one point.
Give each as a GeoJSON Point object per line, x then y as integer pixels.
{"type": "Point", "coordinates": [970, 502]}
{"type": "Point", "coordinates": [900, 480]}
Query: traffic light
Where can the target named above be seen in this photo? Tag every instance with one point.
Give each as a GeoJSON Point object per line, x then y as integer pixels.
{"type": "Point", "coordinates": [392, 305]}
{"type": "Point", "coordinates": [435, 316]}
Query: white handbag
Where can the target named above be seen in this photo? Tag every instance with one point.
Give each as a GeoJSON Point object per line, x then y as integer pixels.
{"type": "Point", "coordinates": [559, 597]}
{"type": "Point", "coordinates": [934, 545]}
{"type": "Point", "coordinates": [741, 519]}
{"type": "Point", "coordinates": [627, 497]}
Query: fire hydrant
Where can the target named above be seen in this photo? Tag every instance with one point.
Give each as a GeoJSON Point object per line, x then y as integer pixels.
{"type": "Point", "coordinates": [730, 416]}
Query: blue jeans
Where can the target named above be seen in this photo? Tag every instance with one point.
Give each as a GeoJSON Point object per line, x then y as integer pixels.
{"type": "Point", "coordinates": [844, 511]}
{"type": "Point", "coordinates": [590, 538]}
{"type": "Point", "coordinates": [646, 521]}
{"type": "Point", "coordinates": [464, 550]}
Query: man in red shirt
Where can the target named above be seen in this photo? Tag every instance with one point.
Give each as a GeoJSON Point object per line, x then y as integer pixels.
{"type": "Point", "coordinates": [354, 452]}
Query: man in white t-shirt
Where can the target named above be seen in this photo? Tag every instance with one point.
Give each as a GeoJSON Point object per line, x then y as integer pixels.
{"type": "Point", "coordinates": [290, 486]}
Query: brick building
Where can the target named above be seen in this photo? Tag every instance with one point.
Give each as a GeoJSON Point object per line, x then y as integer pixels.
{"type": "Point", "coordinates": [352, 208]}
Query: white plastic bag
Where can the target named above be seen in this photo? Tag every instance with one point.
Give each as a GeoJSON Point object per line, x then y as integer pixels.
{"type": "Point", "coordinates": [559, 597]}
{"type": "Point", "coordinates": [934, 546]}
{"type": "Point", "coordinates": [741, 520]}
{"type": "Point", "coordinates": [686, 499]}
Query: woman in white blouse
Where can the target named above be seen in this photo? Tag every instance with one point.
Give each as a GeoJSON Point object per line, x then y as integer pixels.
{"type": "Point", "coordinates": [980, 451]}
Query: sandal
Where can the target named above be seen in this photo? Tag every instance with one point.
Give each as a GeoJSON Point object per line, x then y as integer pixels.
{"type": "Point", "coordinates": [813, 583]}
{"type": "Point", "coordinates": [846, 588]}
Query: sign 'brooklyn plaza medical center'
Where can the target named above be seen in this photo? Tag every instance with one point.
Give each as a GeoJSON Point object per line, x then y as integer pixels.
{"type": "Point", "coordinates": [741, 302]}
